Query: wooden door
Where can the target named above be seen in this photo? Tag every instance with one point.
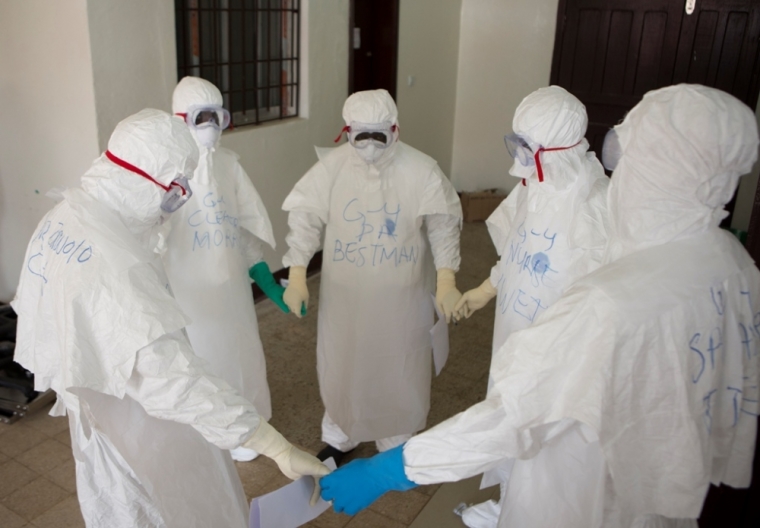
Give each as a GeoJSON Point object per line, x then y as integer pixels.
{"type": "Point", "coordinates": [609, 53]}
{"type": "Point", "coordinates": [373, 45]}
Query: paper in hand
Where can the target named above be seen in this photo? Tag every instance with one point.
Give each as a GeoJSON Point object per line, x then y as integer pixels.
{"type": "Point", "coordinates": [288, 507]}
{"type": "Point", "coordinates": [439, 334]}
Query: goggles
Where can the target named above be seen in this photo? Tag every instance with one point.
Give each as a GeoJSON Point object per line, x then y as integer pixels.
{"type": "Point", "coordinates": [177, 192]}
{"type": "Point", "coordinates": [201, 116]}
{"type": "Point", "coordinates": [361, 135]}
{"type": "Point", "coordinates": [528, 153]}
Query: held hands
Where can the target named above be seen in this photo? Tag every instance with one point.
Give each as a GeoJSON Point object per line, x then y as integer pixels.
{"type": "Point", "coordinates": [361, 482]}
{"type": "Point", "coordinates": [474, 300]}
{"type": "Point", "coordinates": [296, 295]}
{"type": "Point", "coordinates": [446, 293]}
{"type": "Point", "coordinates": [293, 462]}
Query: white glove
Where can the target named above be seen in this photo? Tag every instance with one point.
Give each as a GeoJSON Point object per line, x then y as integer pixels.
{"type": "Point", "coordinates": [446, 293]}
{"type": "Point", "coordinates": [474, 299]}
{"type": "Point", "coordinates": [293, 462]}
{"type": "Point", "coordinates": [296, 294]}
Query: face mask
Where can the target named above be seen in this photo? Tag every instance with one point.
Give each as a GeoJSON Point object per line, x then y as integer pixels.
{"type": "Point", "coordinates": [611, 151]}
{"type": "Point", "coordinates": [207, 135]}
{"type": "Point", "coordinates": [522, 171]}
{"type": "Point", "coordinates": [370, 153]}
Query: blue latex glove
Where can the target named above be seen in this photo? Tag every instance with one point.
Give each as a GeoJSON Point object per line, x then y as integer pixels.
{"type": "Point", "coordinates": [263, 277]}
{"type": "Point", "coordinates": [358, 484]}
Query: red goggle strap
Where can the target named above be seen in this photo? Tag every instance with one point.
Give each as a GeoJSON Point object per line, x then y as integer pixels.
{"type": "Point", "coordinates": [537, 158]}
{"type": "Point", "coordinates": [126, 165]}
{"type": "Point", "coordinates": [346, 129]}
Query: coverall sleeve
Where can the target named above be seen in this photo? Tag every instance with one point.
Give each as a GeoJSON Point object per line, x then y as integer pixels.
{"type": "Point", "coordinates": [252, 248]}
{"type": "Point", "coordinates": [463, 446]}
{"type": "Point", "coordinates": [303, 239]}
{"type": "Point", "coordinates": [171, 383]}
{"type": "Point", "coordinates": [443, 234]}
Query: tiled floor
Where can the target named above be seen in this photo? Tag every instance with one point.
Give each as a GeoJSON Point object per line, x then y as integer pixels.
{"type": "Point", "coordinates": [37, 483]}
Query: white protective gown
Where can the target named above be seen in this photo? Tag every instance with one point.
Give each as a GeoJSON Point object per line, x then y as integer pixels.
{"type": "Point", "coordinates": [639, 386]}
{"type": "Point", "coordinates": [215, 238]}
{"type": "Point", "coordinates": [98, 324]}
{"type": "Point", "coordinates": [547, 234]}
{"type": "Point", "coordinates": [375, 309]}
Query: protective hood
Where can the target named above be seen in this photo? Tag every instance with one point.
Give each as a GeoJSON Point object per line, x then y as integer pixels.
{"type": "Point", "coordinates": [552, 118]}
{"type": "Point", "coordinates": [194, 91]}
{"type": "Point", "coordinates": [372, 107]}
{"type": "Point", "coordinates": [683, 148]}
{"type": "Point", "coordinates": [154, 142]}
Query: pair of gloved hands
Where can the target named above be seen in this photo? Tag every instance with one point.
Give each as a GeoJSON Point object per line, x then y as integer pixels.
{"type": "Point", "coordinates": [351, 488]}
{"type": "Point", "coordinates": [262, 276]}
{"type": "Point", "coordinates": [296, 295]}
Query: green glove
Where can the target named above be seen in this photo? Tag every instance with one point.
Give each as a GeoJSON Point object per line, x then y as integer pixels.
{"type": "Point", "coordinates": [263, 277]}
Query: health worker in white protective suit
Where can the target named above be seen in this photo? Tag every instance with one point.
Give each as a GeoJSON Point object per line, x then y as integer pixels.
{"type": "Point", "coordinates": [215, 244]}
{"type": "Point", "coordinates": [639, 386]}
{"type": "Point", "coordinates": [98, 324]}
{"type": "Point", "coordinates": [392, 219]}
{"type": "Point", "coordinates": [549, 231]}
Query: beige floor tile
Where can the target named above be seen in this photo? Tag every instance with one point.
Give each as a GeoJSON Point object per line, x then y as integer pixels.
{"type": "Point", "coordinates": [3, 458]}
{"type": "Point", "coordinates": [428, 489]}
{"type": "Point", "coordinates": [20, 438]}
{"type": "Point", "coordinates": [330, 519]}
{"type": "Point", "coordinates": [46, 456]}
{"type": "Point", "coordinates": [8, 519]}
{"type": "Point", "coordinates": [14, 476]}
{"type": "Point", "coordinates": [255, 475]}
{"type": "Point", "coordinates": [66, 514]}
{"type": "Point", "coordinates": [64, 476]}
{"type": "Point", "coordinates": [439, 511]}
{"type": "Point", "coordinates": [403, 507]}
{"type": "Point", "coordinates": [371, 519]}
{"type": "Point", "coordinates": [64, 437]}
{"type": "Point", "coordinates": [35, 498]}
{"type": "Point", "coordinates": [44, 423]}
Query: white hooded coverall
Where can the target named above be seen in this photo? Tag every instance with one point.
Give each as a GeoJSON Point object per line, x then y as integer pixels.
{"type": "Point", "coordinates": [375, 307]}
{"type": "Point", "coordinates": [547, 233]}
{"type": "Point", "coordinates": [215, 238]}
{"type": "Point", "coordinates": [639, 386]}
{"type": "Point", "coordinates": [98, 324]}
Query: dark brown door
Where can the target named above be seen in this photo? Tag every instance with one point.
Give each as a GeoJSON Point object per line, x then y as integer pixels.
{"type": "Point", "coordinates": [609, 53]}
{"type": "Point", "coordinates": [373, 45]}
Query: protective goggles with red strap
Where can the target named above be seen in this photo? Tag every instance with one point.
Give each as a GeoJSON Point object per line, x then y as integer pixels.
{"type": "Point", "coordinates": [178, 192]}
{"type": "Point", "coordinates": [361, 135]}
{"type": "Point", "coordinates": [528, 153]}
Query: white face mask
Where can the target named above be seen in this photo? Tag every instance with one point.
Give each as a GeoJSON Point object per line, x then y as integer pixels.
{"type": "Point", "coordinates": [207, 136]}
{"type": "Point", "coordinates": [370, 153]}
{"type": "Point", "coordinates": [521, 171]}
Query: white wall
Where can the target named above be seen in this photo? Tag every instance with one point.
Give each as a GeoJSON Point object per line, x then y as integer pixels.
{"type": "Point", "coordinates": [48, 134]}
{"type": "Point", "coordinates": [134, 59]}
{"type": "Point", "coordinates": [428, 50]}
{"type": "Point", "coordinates": [276, 155]}
{"type": "Point", "coordinates": [505, 52]}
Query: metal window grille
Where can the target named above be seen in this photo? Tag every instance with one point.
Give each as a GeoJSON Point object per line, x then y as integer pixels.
{"type": "Point", "coordinates": [247, 48]}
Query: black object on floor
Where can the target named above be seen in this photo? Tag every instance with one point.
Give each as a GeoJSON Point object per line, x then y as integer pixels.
{"type": "Point", "coordinates": [331, 452]}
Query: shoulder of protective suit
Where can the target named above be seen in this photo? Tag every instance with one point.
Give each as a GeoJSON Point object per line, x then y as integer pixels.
{"type": "Point", "coordinates": [657, 280]}
{"type": "Point", "coordinates": [221, 151]}
{"type": "Point", "coordinates": [408, 157]}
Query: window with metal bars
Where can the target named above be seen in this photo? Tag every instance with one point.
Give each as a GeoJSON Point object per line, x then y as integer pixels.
{"type": "Point", "coordinates": [248, 48]}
